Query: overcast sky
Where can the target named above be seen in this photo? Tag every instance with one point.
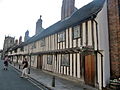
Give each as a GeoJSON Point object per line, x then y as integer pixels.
{"type": "Point", "coordinates": [17, 16]}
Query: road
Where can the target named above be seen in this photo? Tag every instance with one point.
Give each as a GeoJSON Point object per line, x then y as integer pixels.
{"type": "Point", "coordinates": [10, 80]}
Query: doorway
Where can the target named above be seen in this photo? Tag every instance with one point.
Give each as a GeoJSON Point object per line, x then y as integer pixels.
{"type": "Point", "coordinates": [39, 61]}
{"type": "Point", "coordinates": [90, 70]}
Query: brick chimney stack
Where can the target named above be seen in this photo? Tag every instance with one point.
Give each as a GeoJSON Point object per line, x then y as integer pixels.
{"type": "Point", "coordinates": [20, 39]}
{"type": "Point", "coordinates": [68, 7]}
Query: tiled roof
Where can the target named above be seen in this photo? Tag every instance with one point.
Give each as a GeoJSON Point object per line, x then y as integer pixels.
{"type": "Point", "coordinates": [87, 12]}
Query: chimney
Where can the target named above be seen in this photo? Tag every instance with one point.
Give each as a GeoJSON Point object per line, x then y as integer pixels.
{"type": "Point", "coordinates": [16, 42]}
{"type": "Point", "coordinates": [39, 27]}
{"type": "Point", "coordinates": [68, 7]}
{"type": "Point", "coordinates": [20, 39]}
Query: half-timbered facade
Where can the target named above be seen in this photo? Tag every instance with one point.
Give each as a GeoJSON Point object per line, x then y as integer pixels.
{"type": "Point", "coordinates": [76, 47]}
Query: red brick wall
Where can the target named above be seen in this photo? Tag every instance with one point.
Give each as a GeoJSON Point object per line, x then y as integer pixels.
{"type": "Point", "coordinates": [114, 36]}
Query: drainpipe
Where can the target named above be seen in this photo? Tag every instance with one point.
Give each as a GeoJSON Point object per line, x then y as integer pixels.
{"type": "Point", "coordinates": [98, 51]}
{"type": "Point", "coordinates": [101, 68]}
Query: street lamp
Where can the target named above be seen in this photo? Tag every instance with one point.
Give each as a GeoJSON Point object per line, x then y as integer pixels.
{"type": "Point", "coordinates": [29, 54]}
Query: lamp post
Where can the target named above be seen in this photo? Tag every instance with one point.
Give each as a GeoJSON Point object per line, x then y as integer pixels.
{"type": "Point", "coordinates": [29, 54]}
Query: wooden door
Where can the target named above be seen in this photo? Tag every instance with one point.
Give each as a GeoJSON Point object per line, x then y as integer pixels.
{"type": "Point", "coordinates": [89, 70]}
{"type": "Point", "coordinates": [39, 62]}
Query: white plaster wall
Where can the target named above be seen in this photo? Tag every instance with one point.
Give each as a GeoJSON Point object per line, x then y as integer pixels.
{"type": "Point", "coordinates": [89, 33]}
{"type": "Point", "coordinates": [104, 42]}
{"type": "Point", "coordinates": [84, 34]}
{"type": "Point", "coordinates": [67, 38]}
{"type": "Point", "coordinates": [34, 61]}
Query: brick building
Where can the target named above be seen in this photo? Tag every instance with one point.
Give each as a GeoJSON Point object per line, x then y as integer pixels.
{"type": "Point", "coordinates": [114, 36]}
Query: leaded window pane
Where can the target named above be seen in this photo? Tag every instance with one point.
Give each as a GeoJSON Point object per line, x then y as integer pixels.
{"type": "Point", "coordinates": [49, 59]}
{"type": "Point", "coordinates": [65, 60]}
{"type": "Point", "coordinates": [61, 37]}
{"type": "Point", "coordinates": [42, 42]}
{"type": "Point", "coordinates": [76, 32]}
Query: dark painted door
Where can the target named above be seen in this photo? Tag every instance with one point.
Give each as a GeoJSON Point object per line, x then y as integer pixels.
{"type": "Point", "coordinates": [39, 61]}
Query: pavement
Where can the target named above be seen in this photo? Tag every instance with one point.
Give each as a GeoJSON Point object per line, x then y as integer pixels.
{"type": "Point", "coordinates": [55, 81]}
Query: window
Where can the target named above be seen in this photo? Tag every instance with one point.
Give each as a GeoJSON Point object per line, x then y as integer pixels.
{"type": "Point", "coordinates": [11, 41]}
{"type": "Point", "coordinates": [61, 37]}
{"type": "Point", "coordinates": [34, 45]}
{"type": "Point", "coordinates": [33, 60]}
{"type": "Point", "coordinates": [42, 42]}
{"type": "Point", "coordinates": [25, 48]}
{"type": "Point", "coordinates": [15, 50]}
{"type": "Point", "coordinates": [21, 49]}
{"type": "Point", "coordinates": [49, 59]}
{"type": "Point", "coordinates": [76, 32]}
{"type": "Point", "coordinates": [65, 60]}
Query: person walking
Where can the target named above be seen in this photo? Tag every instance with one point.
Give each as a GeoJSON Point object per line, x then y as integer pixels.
{"type": "Point", "coordinates": [25, 68]}
{"type": "Point", "coordinates": [6, 63]}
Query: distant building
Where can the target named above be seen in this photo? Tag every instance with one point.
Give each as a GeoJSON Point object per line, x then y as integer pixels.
{"type": "Point", "coordinates": [8, 42]}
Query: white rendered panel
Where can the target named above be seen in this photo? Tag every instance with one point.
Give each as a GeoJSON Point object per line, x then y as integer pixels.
{"type": "Point", "coordinates": [79, 42]}
{"type": "Point", "coordinates": [67, 38]}
{"type": "Point", "coordinates": [62, 67]}
{"type": "Point", "coordinates": [71, 64]}
{"type": "Point", "coordinates": [78, 65]}
{"type": "Point", "coordinates": [59, 63]}
{"type": "Point", "coordinates": [58, 46]}
{"type": "Point", "coordinates": [95, 36]}
{"type": "Point", "coordinates": [89, 33]}
{"type": "Point", "coordinates": [84, 34]}
{"type": "Point", "coordinates": [74, 65]}
{"type": "Point", "coordinates": [70, 37]}
{"type": "Point", "coordinates": [74, 43]}
{"type": "Point", "coordinates": [55, 41]}
{"type": "Point", "coordinates": [65, 69]}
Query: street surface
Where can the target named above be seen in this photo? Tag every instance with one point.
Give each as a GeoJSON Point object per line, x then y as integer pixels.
{"type": "Point", "coordinates": [10, 80]}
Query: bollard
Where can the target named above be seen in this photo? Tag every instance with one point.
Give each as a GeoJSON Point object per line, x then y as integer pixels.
{"type": "Point", "coordinates": [14, 64]}
{"type": "Point", "coordinates": [19, 66]}
{"type": "Point", "coordinates": [28, 70]}
{"type": "Point", "coordinates": [53, 81]}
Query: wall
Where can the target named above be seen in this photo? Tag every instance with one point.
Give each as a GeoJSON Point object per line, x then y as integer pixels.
{"type": "Point", "coordinates": [114, 36]}
{"type": "Point", "coordinates": [103, 39]}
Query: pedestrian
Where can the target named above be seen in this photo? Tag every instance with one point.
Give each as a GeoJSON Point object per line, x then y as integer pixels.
{"type": "Point", "coordinates": [6, 63]}
{"type": "Point", "coordinates": [25, 68]}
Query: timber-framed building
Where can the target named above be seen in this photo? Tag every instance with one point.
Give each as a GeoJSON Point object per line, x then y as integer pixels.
{"type": "Point", "coordinates": [76, 46]}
